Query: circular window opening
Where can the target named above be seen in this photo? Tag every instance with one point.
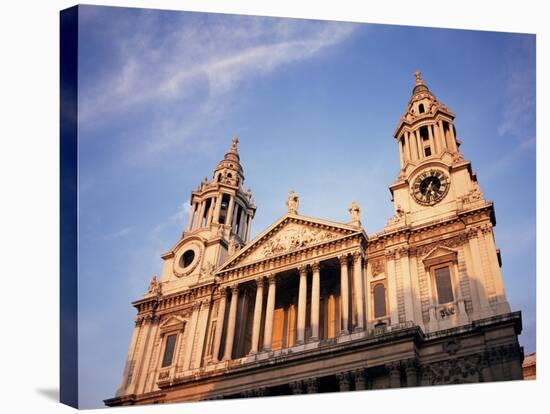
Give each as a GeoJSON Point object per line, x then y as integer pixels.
{"type": "Point", "coordinates": [187, 258]}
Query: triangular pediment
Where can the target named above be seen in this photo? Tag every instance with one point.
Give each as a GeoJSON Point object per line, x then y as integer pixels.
{"type": "Point", "coordinates": [290, 233]}
{"type": "Point", "coordinates": [440, 253]}
{"type": "Point", "coordinates": [173, 322]}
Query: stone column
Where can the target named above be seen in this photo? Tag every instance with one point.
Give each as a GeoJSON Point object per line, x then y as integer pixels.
{"type": "Point", "coordinates": [200, 209]}
{"type": "Point", "coordinates": [248, 224]}
{"type": "Point", "coordinates": [485, 368]}
{"type": "Point", "coordinates": [191, 214]}
{"type": "Point", "coordinates": [219, 323]}
{"type": "Point", "coordinates": [411, 372]}
{"type": "Point", "coordinates": [128, 376]}
{"type": "Point", "coordinates": [391, 293]}
{"type": "Point", "coordinates": [401, 155]}
{"type": "Point", "coordinates": [343, 381]}
{"type": "Point", "coordinates": [270, 308]}
{"type": "Point", "coordinates": [477, 272]}
{"type": "Point", "coordinates": [257, 315]}
{"type": "Point", "coordinates": [315, 298]}
{"type": "Point", "coordinates": [344, 293]}
{"type": "Point", "coordinates": [358, 287]}
{"type": "Point", "coordinates": [442, 135]}
{"type": "Point", "coordinates": [302, 298]}
{"type": "Point", "coordinates": [419, 145]}
{"type": "Point", "coordinates": [312, 385]}
{"type": "Point", "coordinates": [409, 146]}
{"type": "Point", "coordinates": [432, 140]}
{"type": "Point", "coordinates": [453, 138]}
{"type": "Point", "coordinates": [191, 336]}
{"type": "Point", "coordinates": [232, 319]}
{"type": "Point", "coordinates": [202, 327]}
{"type": "Point", "coordinates": [229, 215]}
{"type": "Point", "coordinates": [218, 208]}
{"type": "Point", "coordinates": [210, 214]}
{"type": "Point", "coordinates": [394, 371]}
{"type": "Point", "coordinates": [297, 387]}
{"type": "Point", "coordinates": [243, 225]}
{"type": "Point", "coordinates": [408, 292]}
{"type": "Point", "coordinates": [360, 379]}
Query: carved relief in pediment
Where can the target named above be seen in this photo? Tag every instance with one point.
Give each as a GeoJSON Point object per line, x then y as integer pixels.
{"type": "Point", "coordinates": [292, 237]}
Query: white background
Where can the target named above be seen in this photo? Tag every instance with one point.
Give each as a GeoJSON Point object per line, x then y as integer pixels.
{"type": "Point", "coordinates": [29, 192]}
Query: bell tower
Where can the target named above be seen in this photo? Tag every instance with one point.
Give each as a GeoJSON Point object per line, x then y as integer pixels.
{"type": "Point", "coordinates": [219, 223]}
{"type": "Point", "coordinates": [433, 176]}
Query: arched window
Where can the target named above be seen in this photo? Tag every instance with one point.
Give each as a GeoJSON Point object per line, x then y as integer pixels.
{"type": "Point", "coordinates": [421, 108]}
{"type": "Point", "coordinates": [379, 293]}
{"type": "Point", "coordinates": [443, 285]}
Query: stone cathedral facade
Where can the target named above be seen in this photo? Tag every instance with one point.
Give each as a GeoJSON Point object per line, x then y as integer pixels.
{"type": "Point", "coordinates": [310, 305]}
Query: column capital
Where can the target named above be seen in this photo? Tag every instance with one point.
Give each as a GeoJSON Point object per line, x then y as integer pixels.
{"type": "Point", "coordinates": [357, 255]}
{"type": "Point", "coordinates": [410, 364]}
{"type": "Point", "coordinates": [394, 368]}
{"type": "Point", "coordinates": [234, 289]}
{"type": "Point", "coordinates": [302, 269]}
{"type": "Point", "coordinates": [312, 385]}
{"type": "Point", "coordinates": [315, 266]}
{"type": "Point", "coordinates": [343, 258]}
{"type": "Point", "coordinates": [296, 387]}
{"type": "Point", "coordinates": [343, 380]}
{"type": "Point", "coordinates": [260, 281]}
{"type": "Point", "coordinates": [272, 279]}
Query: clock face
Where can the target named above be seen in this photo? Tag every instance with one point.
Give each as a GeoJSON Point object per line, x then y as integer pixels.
{"type": "Point", "coordinates": [430, 187]}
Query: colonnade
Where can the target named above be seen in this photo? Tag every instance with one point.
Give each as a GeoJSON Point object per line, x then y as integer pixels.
{"type": "Point", "coordinates": [212, 206]}
{"type": "Point", "coordinates": [269, 281]}
{"type": "Point", "coordinates": [438, 137]}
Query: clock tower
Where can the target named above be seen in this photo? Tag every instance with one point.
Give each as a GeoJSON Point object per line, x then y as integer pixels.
{"type": "Point", "coordinates": [434, 179]}
{"type": "Point", "coordinates": [442, 221]}
{"type": "Point", "coordinates": [220, 218]}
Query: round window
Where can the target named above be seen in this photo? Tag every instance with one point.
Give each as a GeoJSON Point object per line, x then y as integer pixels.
{"type": "Point", "coordinates": [187, 258]}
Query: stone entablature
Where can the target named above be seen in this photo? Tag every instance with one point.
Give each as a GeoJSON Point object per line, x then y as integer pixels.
{"type": "Point", "coordinates": [400, 356]}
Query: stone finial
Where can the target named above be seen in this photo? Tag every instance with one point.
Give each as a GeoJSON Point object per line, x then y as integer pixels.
{"type": "Point", "coordinates": [418, 77]}
{"type": "Point", "coordinates": [292, 203]}
{"type": "Point", "coordinates": [355, 212]}
{"type": "Point", "coordinates": [234, 143]}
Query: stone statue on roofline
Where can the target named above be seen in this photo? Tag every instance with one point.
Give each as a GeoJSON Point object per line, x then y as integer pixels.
{"type": "Point", "coordinates": [292, 203]}
{"type": "Point", "coordinates": [355, 212]}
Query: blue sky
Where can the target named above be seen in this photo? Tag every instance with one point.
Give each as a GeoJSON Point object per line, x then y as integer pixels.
{"type": "Point", "coordinates": [314, 105]}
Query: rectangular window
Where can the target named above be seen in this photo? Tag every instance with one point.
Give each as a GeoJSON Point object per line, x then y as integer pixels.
{"type": "Point", "coordinates": [427, 151]}
{"type": "Point", "coordinates": [169, 351]}
{"type": "Point", "coordinates": [379, 300]}
{"type": "Point", "coordinates": [444, 285]}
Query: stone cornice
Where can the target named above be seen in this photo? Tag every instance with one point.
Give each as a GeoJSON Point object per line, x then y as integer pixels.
{"type": "Point", "coordinates": [292, 260]}
{"type": "Point", "coordinates": [428, 118]}
{"type": "Point", "coordinates": [311, 222]}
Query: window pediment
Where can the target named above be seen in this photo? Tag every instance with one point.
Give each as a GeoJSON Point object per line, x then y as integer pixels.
{"type": "Point", "coordinates": [173, 323]}
{"type": "Point", "coordinates": [440, 254]}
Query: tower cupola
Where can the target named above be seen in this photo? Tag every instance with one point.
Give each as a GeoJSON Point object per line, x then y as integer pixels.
{"type": "Point", "coordinates": [426, 129]}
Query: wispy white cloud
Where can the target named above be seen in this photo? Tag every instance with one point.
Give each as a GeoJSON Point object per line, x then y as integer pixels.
{"type": "Point", "coordinates": [187, 73]}
{"type": "Point", "coordinates": [517, 118]}
{"type": "Point", "coordinates": [178, 219]}
{"type": "Point", "coordinates": [119, 233]}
